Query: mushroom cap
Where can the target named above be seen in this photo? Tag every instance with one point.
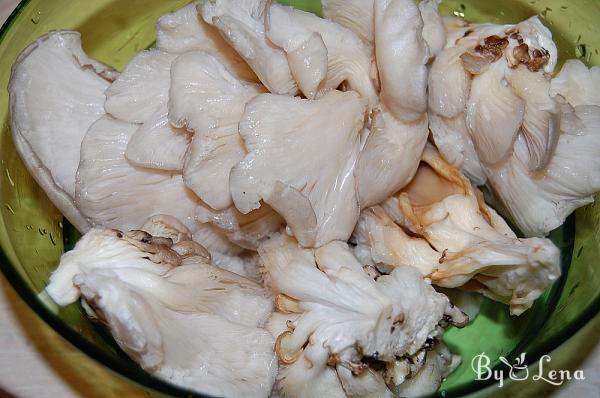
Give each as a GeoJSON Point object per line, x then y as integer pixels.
{"type": "Point", "coordinates": [241, 23]}
{"type": "Point", "coordinates": [56, 93]}
{"type": "Point", "coordinates": [301, 158]}
{"type": "Point", "coordinates": [207, 99]}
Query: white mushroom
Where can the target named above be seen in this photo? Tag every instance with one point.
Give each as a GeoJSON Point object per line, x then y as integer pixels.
{"type": "Point", "coordinates": [401, 58]}
{"type": "Point", "coordinates": [142, 90]}
{"type": "Point", "coordinates": [184, 31]}
{"type": "Point", "coordinates": [438, 364]}
{"type": "Point", "coordinates": [454, 142]}
{"type": "Point", "coordinates": [56, 93]}
{"type": "Point", "coordinates": [349, 58]}
{"type": "Point", "coordinates": [459, 241]}
{"type": "Point", "coordinates": [306, 52]}
{"type": "Point", "coordinates": [241, 23]}
{"type": "Point", "coordinates": [433, 27]}
{"type": "Point", "coordinates": [577, 83]}
{"type": "Point", "coordinates": [540, 202]}
{"type": "Point", "coordinates": [245, 230]}
{"type": "Point", "coordinates": [390, 158]}
{"type": "Point", "coordinates": [112, 193]}
{"type": "Point", "coordinates": [342, 319]}
{"type": "Point", "coordinates": [356, 15]}
{"type": "Point", "coordinates": [301, 160]}
{"type": "Point", "coordinates": [206, 98]}
{"type": "Point", "coordinates": [494, 114]}
{"type": "Point", "coordinates": [158, 145]}
{"type": "Point", "coordinates": [141, 95]}
{"type": "Point", "coordinates": [193, 325]}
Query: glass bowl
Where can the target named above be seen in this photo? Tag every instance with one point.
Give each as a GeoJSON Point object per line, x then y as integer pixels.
{"type": "Point", "coordinates": [33, 234]}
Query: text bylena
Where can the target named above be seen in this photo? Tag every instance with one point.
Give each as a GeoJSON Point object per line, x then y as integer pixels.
{"type": "Point", "coordinates": [519, 371]}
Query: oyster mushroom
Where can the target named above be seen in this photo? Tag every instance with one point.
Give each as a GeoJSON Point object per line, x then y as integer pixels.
{"type": "Point", "coordinates": [157, 145]}
{"type": "Point", "coordinates": [56, 93]}
{"type": "Point", "coordinates": [143, 87]}
{"type": "Point", "coordinates": [184, 31]}
{"type": "Point", "coordinates": [245, 230]}
{"type": "Point", "coordinates": [434, 33]}
{"type": "Point", "coordinates": [356, 15]}
{"type": "Point", "coordinates": [193, 325]}
{"type": "Point", "coordinates": [438, 364]}
{"type": "Point", "coordinates": [494, 114]}
{"type": "Point", "coordinates": [458, 240]}
{"type": "Point", "coordinates": [141, 95]}
{"type": "Point", "coordinates": [241, 23]}
{"type": "Point", "coordinates": [342, 322]}
{"type": "Point", "coordinates": [112, 193]}
{"type": "Point", "coordinates": [349, 59]}
{"type": "Point", "coordinates": [206, 98]}
{"type": "Point", "coordinates": [577, 84]}
{"type": "Point", "coordinates": [306, 52]}
{"type": "Point", "coordinates": [390, 157]}
{"type": "Point", "coordinates": [301, 160]}
{"type": "Point", "coordinates": [402, 54]}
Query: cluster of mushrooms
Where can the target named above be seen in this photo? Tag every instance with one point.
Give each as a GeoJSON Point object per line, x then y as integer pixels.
{"type": "Point", "coordinates": [277, 204]}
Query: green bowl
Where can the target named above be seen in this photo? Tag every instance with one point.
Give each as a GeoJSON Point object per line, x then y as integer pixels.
{"type": "Point", "coordinates": [33, 234]}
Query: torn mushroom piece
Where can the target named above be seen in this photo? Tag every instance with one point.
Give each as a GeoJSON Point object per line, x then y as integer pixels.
{"type": "Point", "coordinates": [349, 59]}
{"type": "Point", "coordinates": [402, 55]}
{"type": "Point", "coordinates": [241, 23]}
{"type": "Point", "coordinates": [184, 31]}
{"type": "Point", "coordinates": [457, 239]}
{"type": "Point", "coordinates": [207, 99]}
{"type": "Point", "coordinates": [245, 230]}
{"type": "Point", "coordinates": [344, 330]}
{"type": "Point", "coordinates": [508, 95]}
{"type": "Point", "coordinates": [56, 94]}
{"type": "Point", "coordinates": [356, 15]}
{"type": "Point", "coordinates": [390, 157]}
{"type": "Point", "coordinates": [434, 33]}
{"type": "Point", "coordinates": [140, 95]}
{"type": "Point", "coordinates": [142, 88]}
{"type": "Point", "coordinates": [112, 193]}
{"type": "Point", "coordinates": [193, 325]}
{"type": "Point", "coordinates": [301, 160]}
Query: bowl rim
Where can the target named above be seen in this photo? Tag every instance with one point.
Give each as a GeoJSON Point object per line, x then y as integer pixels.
{"type": "Point", "coordinates": [145, 380]}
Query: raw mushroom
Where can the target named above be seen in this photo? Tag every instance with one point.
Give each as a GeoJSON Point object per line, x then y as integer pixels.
{"type": "Point", "coordinates": [343, 326]}
{"type": "Point", "coordinates": [56, 93]}
{"type": "Point", "coordinates": [141, 95]}
{"type": "Point", "coordinates": [306, 52]}
{"type": "Point", "coordinates": [301, 159]}
{"type": "Point", "coordinates": [241, 23]}
{"type": "Point", "coordinates": [349, 58]}
{"type": "Point", "coordinates": [390, 158]}
{"type": "Point", "coordinates": [206, 98]}
{"type": "Point", "coordinates": [434, 33]}
{"type": "Point", "coordinates": [142, 90]}
{"type": "Point", "coordinates": [577, 83]}
{"type": "Point", "coordinates": [245, 230]}
{"type": "Point", "coordinates": [401, 58]}
{"type": "Point", "coordinates": [541, 202]}
{"type": "Point", "coordinates": [112, 193]}
{"type": "Point", "coordinates": [438, 364]}
{"type": "Point", "coordinates": [356, 15]}
{"type": "Point", "coordinates": [458, 240]}
{"type": "Point", "coordinates": [193, 325]}
{"type": "Point", "coordinates": [158, 145]}
{"type": "Point", "coordinates": [494, 114]}
{"type": "Point", "coordinates": [454, 141]}
{"type": "Point", "coordinates": [184, 31]}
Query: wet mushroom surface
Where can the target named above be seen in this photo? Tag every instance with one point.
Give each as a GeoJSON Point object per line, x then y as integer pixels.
{"type": "Point", "coordinates": [278, 204]}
